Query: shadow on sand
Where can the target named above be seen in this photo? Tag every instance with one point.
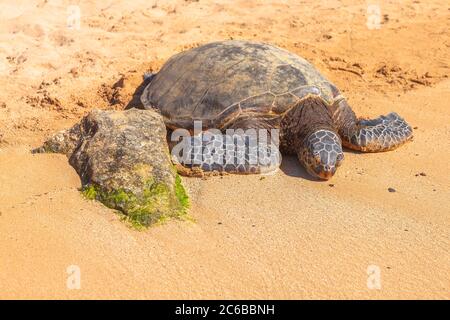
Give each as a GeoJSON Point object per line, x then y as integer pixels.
{"type": "Point", "coordinates": [292, 167]}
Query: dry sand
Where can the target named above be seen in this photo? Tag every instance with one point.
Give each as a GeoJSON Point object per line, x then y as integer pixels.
{"type": "Point", "coordinates": [284, 236]}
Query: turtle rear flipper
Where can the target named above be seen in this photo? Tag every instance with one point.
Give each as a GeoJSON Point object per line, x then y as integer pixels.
{"type": "Point", "coordinates": [381, 134]}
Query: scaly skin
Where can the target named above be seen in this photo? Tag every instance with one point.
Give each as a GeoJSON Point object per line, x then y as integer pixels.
{"type": "Point", "coordinates": [308, 131]}
{"type": "Point", "coordinates": [322, 154]}
{"type": "Point", "coordinates": [227, 153]}
{"type": "Point", "coordinates": [381, 134]}
{"type": "Point", "coordinates": [315, 132]}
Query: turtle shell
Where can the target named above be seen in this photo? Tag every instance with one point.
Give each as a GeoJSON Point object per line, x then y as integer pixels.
{"type": "Point", "coordinates": [218, 81]}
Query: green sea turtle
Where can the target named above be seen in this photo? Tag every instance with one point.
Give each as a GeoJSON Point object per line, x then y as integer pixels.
{"type": "Point", "coordinates": [250, 85]}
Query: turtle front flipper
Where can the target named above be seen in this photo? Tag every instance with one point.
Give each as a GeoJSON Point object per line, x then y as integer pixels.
{"type": "Point", "coordinates": [377, 135]}
{"type": "Point", "coordinates": [235, 153]}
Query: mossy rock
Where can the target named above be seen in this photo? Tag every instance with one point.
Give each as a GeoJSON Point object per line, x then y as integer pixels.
{"type": "Point", "coordinates": [154, 205]}
{"type": "Point", "coordinates": [123, 161]}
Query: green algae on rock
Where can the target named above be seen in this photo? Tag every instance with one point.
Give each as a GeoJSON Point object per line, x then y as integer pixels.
{"type": "Point", "coordinates": [123, 161]}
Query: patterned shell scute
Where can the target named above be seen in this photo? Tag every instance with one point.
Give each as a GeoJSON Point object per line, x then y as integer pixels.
{"type": "Point", "coordinates": [216, 82]}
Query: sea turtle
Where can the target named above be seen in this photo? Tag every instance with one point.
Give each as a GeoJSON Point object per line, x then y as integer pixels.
{"type": "Point", "coordinates": [251, 85]}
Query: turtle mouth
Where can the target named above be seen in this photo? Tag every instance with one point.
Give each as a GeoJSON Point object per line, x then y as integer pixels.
{"type": "Point", "coordinates": [324, 172]}
{"type": "Point", "coordinates": [318, 169]}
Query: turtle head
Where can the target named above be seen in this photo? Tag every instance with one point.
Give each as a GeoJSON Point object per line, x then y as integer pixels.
{"type": "Point", "coordinates": [321, 153]}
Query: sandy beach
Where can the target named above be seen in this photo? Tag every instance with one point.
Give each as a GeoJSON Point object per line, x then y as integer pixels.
{"type": "Point", "coordinates": [280, 236]}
